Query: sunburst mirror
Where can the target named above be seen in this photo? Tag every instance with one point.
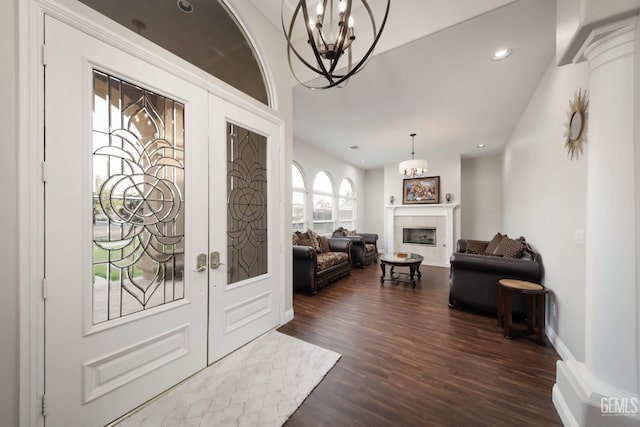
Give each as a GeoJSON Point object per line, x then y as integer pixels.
{"type": "Point", "coordinates": [576, 127]}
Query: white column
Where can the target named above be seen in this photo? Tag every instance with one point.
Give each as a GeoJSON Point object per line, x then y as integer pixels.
{"type": "Point", "coordinates": [610, 370]}
{"type": "Point", "coordinates": [611, 352]}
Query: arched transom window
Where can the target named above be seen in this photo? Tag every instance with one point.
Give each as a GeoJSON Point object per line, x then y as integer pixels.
{"type": "Point", "coordinates": [204, 33]}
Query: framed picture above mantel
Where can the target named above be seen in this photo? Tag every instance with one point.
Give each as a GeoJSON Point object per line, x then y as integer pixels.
{"type": "Point", "coordinates": [424, 190]}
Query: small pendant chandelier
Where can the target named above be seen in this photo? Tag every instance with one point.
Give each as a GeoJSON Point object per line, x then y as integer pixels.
{"type": "Point", "coordinates": [414, 167]}
{"type": "Point", "coordinates": [330, 32]}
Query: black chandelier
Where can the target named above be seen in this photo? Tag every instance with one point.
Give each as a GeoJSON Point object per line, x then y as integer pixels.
{"type": "Point", "coordinates": [330, 32]}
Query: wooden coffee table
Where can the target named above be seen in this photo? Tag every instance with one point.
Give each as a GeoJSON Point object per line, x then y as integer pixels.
{"type": "Point", "coordinates": [400, 259]}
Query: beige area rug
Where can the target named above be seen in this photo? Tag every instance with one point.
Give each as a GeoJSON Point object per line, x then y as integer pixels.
{"type": "Point", "coordinates": [261, 384]}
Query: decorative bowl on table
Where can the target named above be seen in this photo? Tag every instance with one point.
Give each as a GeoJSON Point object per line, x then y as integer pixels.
{"type": "Point", "coordinates": [401, 255]}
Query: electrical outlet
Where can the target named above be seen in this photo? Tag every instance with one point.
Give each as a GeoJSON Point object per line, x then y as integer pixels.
{"type": "Point", "coordinates": [553, 309]}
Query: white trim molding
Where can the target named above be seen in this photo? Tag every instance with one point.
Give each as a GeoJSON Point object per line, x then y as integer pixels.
{"type": "Point", "coordinates": [562, 350]}
{"type": "Point", "coordinates": [582, 399]}
{"type": "Point", "coordinates": [287, 316]}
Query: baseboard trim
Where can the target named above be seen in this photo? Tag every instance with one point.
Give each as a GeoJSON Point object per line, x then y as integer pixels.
{"type": "Point", "coordinates": [556, 342]}
{"type": "Point", "coordinates": [562, 408]}
{"type": "Point", "coordinates": [577, 396]}
{"type": "Point", "coordinates": [287, 316]}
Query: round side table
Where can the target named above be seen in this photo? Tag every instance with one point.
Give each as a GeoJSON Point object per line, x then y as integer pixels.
{"type": "Point", "coordinates": [535, 294]}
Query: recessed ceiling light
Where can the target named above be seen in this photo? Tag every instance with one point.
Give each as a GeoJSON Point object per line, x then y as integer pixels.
{"type": "Point", "coordinates": [354, 147]}
{"type": "Point", "coordinates": [500, 54]}
{"type": "Point", "coordinates": [185, 6]}
{"type": "Point", "coordinates": [363, 161]}
{"type": "Point", "coordinates": [481, 145]}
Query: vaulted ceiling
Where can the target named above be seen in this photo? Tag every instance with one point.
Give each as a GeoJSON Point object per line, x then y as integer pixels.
{"type": "Point", "coordinates": [432, 75]}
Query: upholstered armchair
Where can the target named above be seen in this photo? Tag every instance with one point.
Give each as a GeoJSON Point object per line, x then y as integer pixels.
{"type": "Point", "coordinates": [364, 246]}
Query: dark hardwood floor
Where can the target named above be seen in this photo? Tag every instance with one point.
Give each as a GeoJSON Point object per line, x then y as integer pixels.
{"type": "Point", "coordinates": [410, 360]}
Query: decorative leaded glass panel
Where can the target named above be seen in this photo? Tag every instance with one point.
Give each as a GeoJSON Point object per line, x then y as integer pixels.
{"type": "Point", "coordinates": [138, 198]}
{"type": "Point", "coordinates": [247, 204]}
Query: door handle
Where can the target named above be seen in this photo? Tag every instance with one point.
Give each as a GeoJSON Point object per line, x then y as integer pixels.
{"type": "Point", "coordinates": [201, 262]}
{"type": "Point", "coordinates": [214, 260]}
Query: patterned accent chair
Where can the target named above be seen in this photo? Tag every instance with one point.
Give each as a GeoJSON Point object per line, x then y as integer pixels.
{"type": "Point", "coordinates": [364, 246]}
{"type": "Point", "coordinates": [476, 267]}
{"type": "Point", "coordinates": [318, 261]}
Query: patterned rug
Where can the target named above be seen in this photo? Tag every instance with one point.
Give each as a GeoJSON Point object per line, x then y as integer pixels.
{"type": "Point", "coordinates": [261, 384]}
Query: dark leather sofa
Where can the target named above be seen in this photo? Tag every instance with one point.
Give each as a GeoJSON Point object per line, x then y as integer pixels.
{"type": "Point", "coordinates": [313, 271]}
{"type": "Point", "coordinates": [364, 246]}
{"type": "Point", "coordinates": [474, 278]}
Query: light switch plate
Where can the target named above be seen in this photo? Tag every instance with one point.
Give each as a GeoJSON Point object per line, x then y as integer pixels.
{"type": "Point", "coordinates": [580, 236]}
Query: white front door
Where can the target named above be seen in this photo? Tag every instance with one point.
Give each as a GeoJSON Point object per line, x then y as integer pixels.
{"type": "Point", "coordinates": [126, 215]}
{"type": "Point", "coordinates": [244, 206]}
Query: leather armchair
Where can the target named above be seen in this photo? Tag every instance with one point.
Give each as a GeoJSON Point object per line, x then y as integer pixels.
{"type": "Point", "coordinates": [364, 247]}
{"type": "Point", "coordinates": [473, 278]}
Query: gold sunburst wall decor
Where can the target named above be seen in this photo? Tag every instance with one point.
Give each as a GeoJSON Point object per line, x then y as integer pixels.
{"type": "Point", "coordinates": [576, 126]}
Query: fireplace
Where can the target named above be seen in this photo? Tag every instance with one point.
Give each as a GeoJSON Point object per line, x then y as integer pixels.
{"type": "Point", "coordinates": [419, 236]}
{"type": "Point", "coordinates": [436, 217]}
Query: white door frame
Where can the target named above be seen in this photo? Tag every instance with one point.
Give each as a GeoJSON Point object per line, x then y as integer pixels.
{"type": "Point", "coordinates": [30, 170]}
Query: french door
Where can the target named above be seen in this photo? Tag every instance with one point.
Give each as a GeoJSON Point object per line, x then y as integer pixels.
{"type": "Point", "coordinates": [243, 293]}
{"type": "Point", "coordinates": [150, 276]}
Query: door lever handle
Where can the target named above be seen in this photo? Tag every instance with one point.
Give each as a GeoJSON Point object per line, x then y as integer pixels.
{"type": "Point", "coordinates": [201, 262]}
{"type": "Point", "coordinates": [214, 260]}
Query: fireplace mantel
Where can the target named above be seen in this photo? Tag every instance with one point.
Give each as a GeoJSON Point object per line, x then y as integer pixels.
{"type": "Point", "coordinates": [442, 210]}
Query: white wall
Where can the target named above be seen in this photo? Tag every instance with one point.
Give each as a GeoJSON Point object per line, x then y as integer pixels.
{"type": "Point", "coordinates": [311, 161]}
{"type": "Point", "coordinates": [545, 199]}
{"type": "Point", "coordinates": [482, 194]}
{"type": "Point", "coordinates": [9, 367]}
{"type": "Point", "coordinates": [448, 168]}
{"type": "Point", "coordinates": [373, 201]}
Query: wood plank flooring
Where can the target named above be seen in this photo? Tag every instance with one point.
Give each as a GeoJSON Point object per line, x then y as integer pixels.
{"type": "Point", "coordinates": [410, 360]}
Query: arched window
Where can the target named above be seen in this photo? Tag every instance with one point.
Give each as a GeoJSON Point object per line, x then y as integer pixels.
{"type": "Point", "coordinates": [211, 38]}
{"type": "Point", "coordinates": [323, 205]}
{"type": "Point", "coordinates": [298, 200]}
{"type": "Point", "coordinates": [346, 205]}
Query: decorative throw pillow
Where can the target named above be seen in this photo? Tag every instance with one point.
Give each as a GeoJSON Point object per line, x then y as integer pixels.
{"type": "Point", "coordinates": [295, 239]}
{"type": "Point", "coordinates": [315, 241]}
{"type": "Point", "coordinates": [305, 242]}
{"type": "Point", "coordinates": [351, 233]}
{"type": "Point", "coordinates": [510, 248]}
{"type": "Point", "coordinates": [324, 244]}
{"type": "Point", "coordinates": [476, 247]}
{"type": "Point", "coordinates": [493, 244]}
